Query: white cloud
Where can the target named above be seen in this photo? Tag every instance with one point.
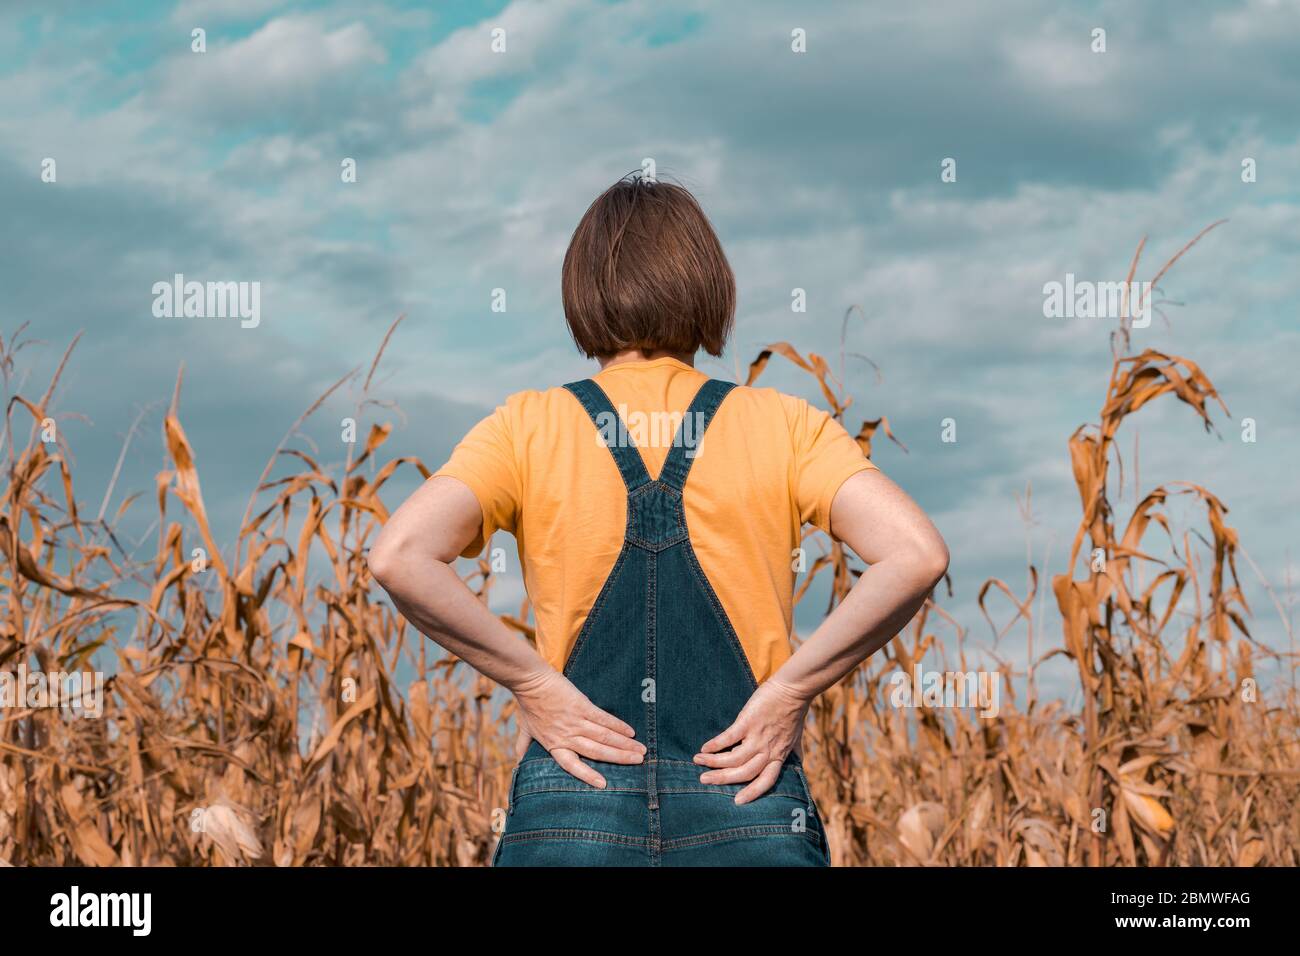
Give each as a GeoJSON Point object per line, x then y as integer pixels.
{"type": "Point", "coordinates": [199, 13]}
{"type": "Point", "coordinates": [290, 60]}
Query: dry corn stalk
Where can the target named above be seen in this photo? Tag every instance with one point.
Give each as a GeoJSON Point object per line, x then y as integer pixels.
{"type": "Point", "coordinates": [258, 686]}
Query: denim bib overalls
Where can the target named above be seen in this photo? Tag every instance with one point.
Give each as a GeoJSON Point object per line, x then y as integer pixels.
{"type": "Point", "coordinates": [658, 652]}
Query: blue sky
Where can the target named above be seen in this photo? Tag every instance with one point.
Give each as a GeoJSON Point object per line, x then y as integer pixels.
{"type": "Point", "coordinates": [820, 171]}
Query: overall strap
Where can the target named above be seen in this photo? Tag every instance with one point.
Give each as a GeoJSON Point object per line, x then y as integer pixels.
{"type": "Point", "coordinates": [611, 432]}
{"type": "Point", "coordinates": [690, 433]}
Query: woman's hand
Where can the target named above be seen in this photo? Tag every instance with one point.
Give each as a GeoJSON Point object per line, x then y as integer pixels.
{"type": "Point", "coordinates": [561, 718]}
{"type": "Point", "coordinates": [768, 727]}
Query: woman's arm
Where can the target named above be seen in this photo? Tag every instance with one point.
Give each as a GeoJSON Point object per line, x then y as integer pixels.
{"type": "Point", "coordinates": [412, 560]}
{"type": "Point", "coordinates": [907, 558]}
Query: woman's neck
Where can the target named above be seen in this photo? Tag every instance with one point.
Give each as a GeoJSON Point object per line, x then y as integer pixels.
{"type": "Point", "coordinates": [636, 355]}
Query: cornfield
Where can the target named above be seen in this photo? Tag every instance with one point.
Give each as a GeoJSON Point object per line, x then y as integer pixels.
{"type": "Point", "coordinates": [252, 714]}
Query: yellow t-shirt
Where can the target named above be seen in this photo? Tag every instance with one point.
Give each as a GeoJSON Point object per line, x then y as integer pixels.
{"type": "Point", "coordinates": [769, 463]}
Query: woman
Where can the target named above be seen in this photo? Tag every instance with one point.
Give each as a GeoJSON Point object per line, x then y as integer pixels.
{"type": "Point", "coordinates": [660, 715]}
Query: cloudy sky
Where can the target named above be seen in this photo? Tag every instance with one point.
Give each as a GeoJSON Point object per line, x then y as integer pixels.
{"type": "Point", "coordinates": [820, 169]}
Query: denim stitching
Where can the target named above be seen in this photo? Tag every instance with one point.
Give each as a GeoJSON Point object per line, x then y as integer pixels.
{"type": "Point", "coordinates": [511, 797]}
{"type": "Point", "coordinates": [588, 789]}
{"type": "Point", "coordinates": [679, 518]}
{"type": "Point", "coordinates": [655, 548]}
{"type": "Point", "coordinates": [513, 794]}
{"type": "Point", "coordinates": [757, 830]}
{"type": "Point", "coordinates": [651, 659]}
{"type": "Point", "coordinates": [652, 706]}
{"type": "Point", "coordinates": [815, 814]}
{"type": "Point", "coordinates": [574, 835]}
{"type": "Point", "coordinates": [684, 763]}
{"type": "Point", "coordinates": [661, 485]}
{"type": "Point", "coordinates": [807, 790]}
{"type": "Point", "coordinates": [717, 791]}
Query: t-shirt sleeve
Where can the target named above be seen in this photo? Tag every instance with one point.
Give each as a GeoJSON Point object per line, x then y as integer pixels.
{"type": "Point", "coordinates": [485, 461]}
{"type": "Point", "coordinates": [825, 456]}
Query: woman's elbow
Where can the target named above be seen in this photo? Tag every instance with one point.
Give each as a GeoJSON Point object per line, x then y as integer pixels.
{"type": "Point", "coordinates": [400, 550]}
{"type": "Point", "coordinates": [940, 557]}
{"type": "Point", "coordinates": [385, 559]}
{"type": "Point", "coordinates": [930, 559]}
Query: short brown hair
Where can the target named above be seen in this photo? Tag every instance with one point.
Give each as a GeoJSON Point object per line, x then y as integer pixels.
{"type": "Point", "coordinates": [645, 270]}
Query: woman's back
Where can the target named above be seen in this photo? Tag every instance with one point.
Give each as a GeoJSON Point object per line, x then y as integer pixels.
{"type": "Point", "coordinates": [656, 649]}
{"type": "Point", "coordinates": [770, 463]}
{"type": "Point", "coordinates": [658, 514]}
